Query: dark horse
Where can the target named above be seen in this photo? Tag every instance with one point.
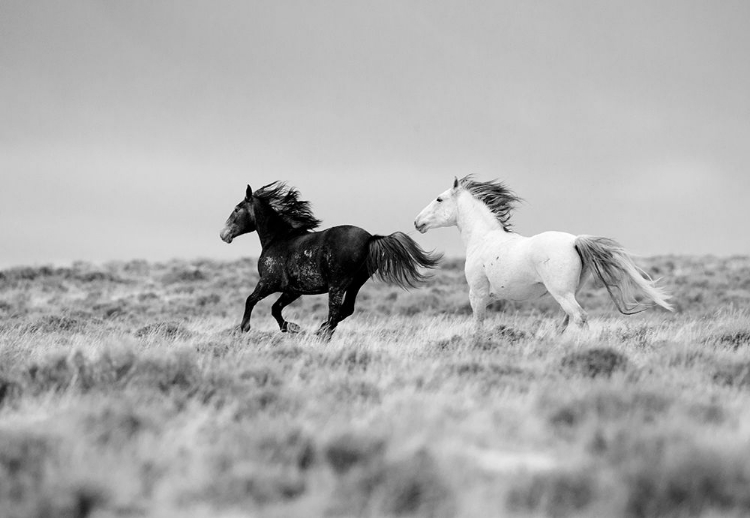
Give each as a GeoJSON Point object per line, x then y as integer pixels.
{"type": "Point", "coordinates": [297, 261]}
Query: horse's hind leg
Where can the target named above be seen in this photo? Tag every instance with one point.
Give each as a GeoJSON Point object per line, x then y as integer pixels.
{"type": "Point", "coordinates": [347, 309]}
{"type": "Point", "coordinates": [283, 301]}
{"type": "Point", "coordinates": [335, 312]}
{"type": "Point", "coordinates": [564, 324]}
{"type": "Point", "coordinates": [572, 308]}
{"type": "Point", "coordinates": [566, 320]}
{"type": "Point", "coordinates": [341, 303]}
{"type": "Point", "coordinates": [563, 279]}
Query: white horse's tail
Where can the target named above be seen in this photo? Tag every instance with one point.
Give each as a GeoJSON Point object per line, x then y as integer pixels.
{"type": "Point", "coordinates": [623, 279]}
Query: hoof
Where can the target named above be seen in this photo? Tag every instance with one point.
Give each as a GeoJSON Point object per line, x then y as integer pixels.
{"type": "Point", "coordinates": [245, 327]}
{"type": "Point", "coordinates": [324, 333]}
{"type": "Point", "coordinates": [291, 327]}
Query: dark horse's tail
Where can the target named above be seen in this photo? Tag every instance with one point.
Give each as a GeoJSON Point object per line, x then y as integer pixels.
{"type": "Point", "coordinates": [395, 259]}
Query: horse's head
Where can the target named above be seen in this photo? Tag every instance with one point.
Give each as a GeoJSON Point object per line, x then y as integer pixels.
{"type": "Point", "coordinates": [441, 212]}
{"type": "Point", "coordinates": [241, 220]}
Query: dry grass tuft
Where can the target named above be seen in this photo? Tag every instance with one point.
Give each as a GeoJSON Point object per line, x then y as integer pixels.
{"type": "Point", "coordinates": [733, 374]}
{"type": "Point", "coordinates": [673, 475]}
{"type": "Point", "coordinates": [31, 483]}
{"type": "Point", "coordinates": [412, 485]}
{"type": "Point", "coordinates": [348, 450]}
{"type": "Point", "coordinates": [600, 361]}
{"type": "Point", "coordinates": [169, 330]}
{"type": "Point", "coordinates": [557, 493]}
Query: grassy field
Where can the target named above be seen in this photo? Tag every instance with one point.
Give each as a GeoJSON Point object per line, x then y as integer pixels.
{"type": "Point", "coordinates": [125, 390]}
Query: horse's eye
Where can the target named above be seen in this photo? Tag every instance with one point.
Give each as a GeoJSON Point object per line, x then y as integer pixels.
{"type": "Point", "coordinates": [439, 200]}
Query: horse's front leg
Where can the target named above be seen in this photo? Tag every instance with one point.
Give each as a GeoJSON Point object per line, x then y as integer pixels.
{"type": "Point", "coordinates": [261, 291]}
{"type": "Point", "coordinates": [479, 294]}
{"type": "Point", "coordinates": [335, 313]}
{"type": "Point", "coordinates": [479, 291]}
{"type": "Point", "coordinates": [285, 299]}
{"type": "Point", "coordinates": [478, 298]}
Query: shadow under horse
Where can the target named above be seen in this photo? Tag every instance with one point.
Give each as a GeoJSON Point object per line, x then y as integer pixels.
{"type": "Point", "coordinates": [297, 261]}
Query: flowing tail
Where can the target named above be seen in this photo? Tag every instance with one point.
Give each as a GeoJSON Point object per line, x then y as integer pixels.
{"type": "Point", "coordinates": [395, 259]}
{"type": "Point", "coordinates": [620, 275]}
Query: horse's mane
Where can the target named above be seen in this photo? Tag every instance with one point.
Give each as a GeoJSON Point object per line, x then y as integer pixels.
{"type": "Point", "coordinates": [284, 200]}
{"type": "Point", "coordinates": [495, 195]}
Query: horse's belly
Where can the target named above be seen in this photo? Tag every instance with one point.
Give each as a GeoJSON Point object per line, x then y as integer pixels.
{"type": "Point", "coordinates": [510, 281]}
{"type": "Point", "coordinates": [517, 291]}
{"type": "Point", "coordinates": [306, 278]}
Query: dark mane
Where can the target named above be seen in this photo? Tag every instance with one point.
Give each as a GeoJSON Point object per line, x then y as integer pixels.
{"type": "Point", "coordinates": [499, 199]}
{"type": "Point", "coordinates": [284, 200]}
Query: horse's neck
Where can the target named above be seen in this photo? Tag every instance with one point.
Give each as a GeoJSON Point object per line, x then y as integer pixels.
{"type": "Point", "coordinates": [269, 226]}
{"type": "Point", "coordinates": [474, 221]}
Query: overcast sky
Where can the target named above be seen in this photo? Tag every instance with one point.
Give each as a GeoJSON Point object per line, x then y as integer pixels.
{"type": "Point", "coordinates": [130, 129]}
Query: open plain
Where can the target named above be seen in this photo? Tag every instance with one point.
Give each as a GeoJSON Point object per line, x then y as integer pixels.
{"type": "Point", "coordinates": [126, 390]}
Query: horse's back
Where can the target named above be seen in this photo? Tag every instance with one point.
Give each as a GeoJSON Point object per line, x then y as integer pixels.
{"type": "Point", "coordinates": [518, 250]}
{"type": "Point", "coordinates": [350, 232]}
{"type": "Point", "coordinates": [347, 238]}
{"type": "Point", "coordinates": [552, 242]}
{"type": "Point", "coordinates": [346, 247]}
{"type": "Point", "coordinates": [342, 237]}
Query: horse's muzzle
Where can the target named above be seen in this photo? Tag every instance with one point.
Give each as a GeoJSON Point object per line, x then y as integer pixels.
{"type": "Point", "coordinates": [226, 235]}
{"type": "Point", "coordinates": [422, 228]}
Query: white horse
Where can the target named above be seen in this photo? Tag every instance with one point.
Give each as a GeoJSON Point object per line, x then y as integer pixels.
{"type": "Point", "coordinates": [504, 265]}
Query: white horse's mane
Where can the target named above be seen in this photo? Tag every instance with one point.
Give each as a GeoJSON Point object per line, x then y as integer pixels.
{"type": "Point", "coordinates": [495, 195]}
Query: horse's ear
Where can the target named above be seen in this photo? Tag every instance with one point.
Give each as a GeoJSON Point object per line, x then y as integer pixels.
{"type": "Point", "coordinates": [248, 193]}
{"type": "Point", "coordinates": [455, 182]}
